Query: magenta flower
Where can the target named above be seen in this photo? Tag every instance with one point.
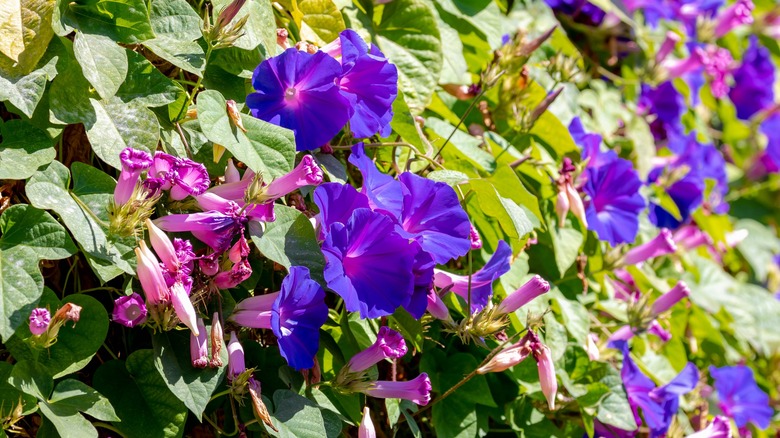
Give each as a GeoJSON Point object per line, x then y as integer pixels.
{"type": "Point", "coordinates": [298, 91]}
{"type": "Point", "coordinates": [546, 370]}
{"type": "Point", "coordinates": [295, 314]}
{"type": "Point", "coordinates": [189, 178]}
{"type": "Point", "coordinates": [366, 429]}
{"type": "Point", "coordinates": [719, 428]}
{"type": "Point", "coordinates": [734, 16]}
{"type": "Point", "coordinates": [134, 162]}
{"type": "Point", "coordinates": [39, 321]}
{"type": "Point", "coordinates": [510, 356]}
{"type": "Point", "coordinates": [151, 276]}
{"type": "Point", "coordinates": [129, 310]}
{"type": "Point", "coordinates": [199, 351]}
{"type": "Point", "coordinates": [661, 245]}
{"type": "Point", "coordinates": [533, 288]}
{"type": "Point", "coordinates": [476, 241]}
{"type": "Point", "coordinates": [216, 228]}
{"type": "Point", "coordinates": [481, 281]}
{"type": "Point", "coordinates": [436, 306]}
{"type": "Point", "coordinates": [670, 298]}
{"type": "Point", "coordinates": [307, 173]}
{"type": "Point", "coordinates": [236, 364]}
{"type": "Point", "coordinates": [389, 345]}
{"type": "Point", "coordinates": [417, 390]}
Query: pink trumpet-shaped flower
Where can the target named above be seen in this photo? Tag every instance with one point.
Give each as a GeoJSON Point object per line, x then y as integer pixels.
{"type": "Point", "coordinates": [366, 429]}
{"type": "Point", "coordinates": [670, 298]}
{"type": "Point", "coordinates": [134, 162]}
{"type": "Point", "coordinates": [199, 352]}
{"type": "Point", "coordinates": [151, 277]}
{"type": "Point", "coordinates": [533, 288]}
{"type": "Point", "coordinates": [307, 173]}
{"type": "Point", "coordinates": [183, 307]}
{"type": "Point", "coordinates": [163, 247]}
{"type": "Point", "coordinates": [655, 328]}
{"type": "Point", "coordinates": [39, 321]}
{"type": "Point", "coordinates": [417, 390]}
{"type": "Point", "coordinates": [129, 310]}
{"type": "Point", "coordinates": [661, 245]}
{"type": "Point", "coordinates": [546, 370]}
{"type": "Point", "coordinates": [509, 357]}
{"type": "Point", "coordinates": [667, 46]}
{"type": "Point", "coordinates": [389, 345]}
{"type": "Point", "coordinates": [436, 306]}
{"type": "Point", "coordinates": [734, 16]}
{"type": "Point", "coordinates": [719, 428]}
{"type": "Point", "coordinates": [236, 364]}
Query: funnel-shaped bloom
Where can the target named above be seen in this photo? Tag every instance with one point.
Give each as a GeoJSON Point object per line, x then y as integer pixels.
{"type": "Point", "coordinates": [661, 245]}
{"type": "Point", "coordinates": [657, 404]}
{"type": "Point", "coordinates": [740, 397]}
{"type": "Point", "coordinates": [533, 288]}
{"type": "Point", "coordinates": [189, 178]}
{"type": "Point", "coordinates": [129, 310]}
{"type": "Point", "coordinates": [771, 128]}
{"type": "Point", "coordinates": [670, 298]}
{"type": "Point", "coordinates": [481, 281]}
{"type": "Point", "coordinates": [336, 203]}
{"type": "Point", "coordinates": [369, 264]}
{"type": "Point", "coordinates": [417, 390]}
{"type": "Point", "coordinates": [134, 162]}
{"type": "Point", "coordinates": [306, 173]}
{"type": "Point", "coordinates": [368, 81]}
{"type": "Point", "coordinates": [295, 314]}
{"type": "Point", "coordinates": [389, 345]}
{"type": "Point", "coordinates": [750, 92]}
{"type": "Point", "coordinates": [215, 228]}
{"type": "Point", "coordinates": [667, 105]}
{"type": "Point", "coordinates": [581, 11]}
{"type": "Point", "coordinates": [735, 15]}
{"type": "Point", "coordinates": [298, 91]}
{"type": "Point", "coordinates": [39, 321]}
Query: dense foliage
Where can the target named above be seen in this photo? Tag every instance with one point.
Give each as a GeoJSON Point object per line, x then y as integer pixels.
{"type": "Point", "coordinates": [408, 217]}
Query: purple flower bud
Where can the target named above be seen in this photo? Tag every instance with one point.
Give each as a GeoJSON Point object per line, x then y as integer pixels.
{"type": "Point", "coordinates": [199, 352]}
{"type": "Point", "coordinates": [389, 345]}
{"type": "Point", "coordinates": [533, 288]}
{"type": "Point", "coordinates": [163, 246]}
{"type": "Point", "coordinates": [562, 205]}
{"type": "Point", "coordinates": [669, 299]}
{"type": "Point", "coordinates": [190, 178]}
{"type": "Point", "coordinates": [134, 161]}
{"type": "Point", "coordinates": [622, 334]}
{"type": "Point", "coordinates": [151, 277]}
{"type": "Point", "coordinates": [719, 428]}
{"type": "Point", "coordinates": [661, 245]}
{"type": "Point", "coordinates": [231, 172]}
{"type": "Point", "coordinates": [476, 241]}
{"type": "Point", "coordinates": [417, 390]}
{"type": "Point", "coordinates": [734, 16]}
{"type": "Point", "coordinates": [39, 321]}
{"type": "Point", "coordinates": [655, 329]}
{"type": "Point", "coordinates": [436, 307]}
{"type": "Point", "coordinates": [307, 173]}
{"type": "Point", "coordinates": [667, 46]}
{"type": "Point", "coordinates": [228, 13]}
{"type": "Point", "coordinates": [236, 363]}
{"type": "Point", "coordinates": [546, 370]}
{"type": "Point", "coordinates": [129, 310]}
{"type": "Point", "coordinates": [366, 429]}
{"type": "Point", "coordinates": [679, 67]}
{"type": "Point", "coordinates": [509, 357]}
{"type": "Point", "coordinates": [184, 308]}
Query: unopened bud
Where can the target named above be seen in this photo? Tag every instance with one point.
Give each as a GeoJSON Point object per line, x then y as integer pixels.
{"type": "Point", "coordinates": [530, 47]}
{"type": "Point", "coordinates": [227, 14]}
{"type": "Point", "coordinates": [281, 38]}
{"type": "Point", "coordinates": [217, 337]}
{"type": "Point", "coordinates": [546, 370]}
{"type": "Point", "coordinates": [544, 104]}
{"type": "Point", "coordinates": [235, 115]}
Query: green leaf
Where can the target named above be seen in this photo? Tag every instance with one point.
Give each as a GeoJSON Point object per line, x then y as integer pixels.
{"type": "Point", "coordinates": [10, 397]}
{"type": "Point", "coordinates": [68, 422]}
{"type": "Point", "coordinates": [177, 27]}
{"type": "Point", "coordinates": [508, 185]}
{"type": "Point", "coordinates": [76, 343]}
{"type": "Point", "coordinates": [297, 417]}
{"type": "Point", "coordinates": [759, 247]}
{"type": "Point", "coordinates": [467, 145]}
{"type": "Point", "coordinates": [69, 96]}
{"type": "Point", "coordinates": [124, 21]}
{"type": "Point", "coordinates": [553, 135]}
{"type": "Point", "coordinates": [191, 385]}
{"type": "Point", "coordinates": [103, 62]}
{"type": "Point", "coordinates": [319, 20]}
{"type": "Point", "coordinates": [566, 243]}
{"type": "Point", "coordinates": [24, 34]}
{"type": "Point", "coordinates": [24, 149]}
{"type": "Point", "coordinates": [23, 225]}
{"type": "Point", "coordinates": [48, 189]}
{"type": "Point", "coordinates": [32, 378]}
{"type": "Point", "coordinates": [451, 177]}
{"type": "Point", "coordinates": [410, 328]}
{"type": "Point", "coordinates": [115, 125]}
{"type": "Point", "coordinates": [404, 124]}
{"type": "Point", "coordinates": [409, 37]}
{"type": "Point", "coordinates": [21, 285]}
{"type": "Point", "coordinates": [260, 27]}
{"type": "Point", "coordinates": [614, 409]}
{"type": "Point", "coordinates": [140, 397]}
{"type": "Point", "coordinates": [26, 90]}
{"type": "Point", "coordinates": [145, 84]}
{"type": "Point", "coordinates": [80, 397]}
{"type": "Point", "coordinates": [512, 218]}
{"type": "Point", "coordinates": [455, 417]}
{"type": "Point", "coordinates": [290, 241]}
{"type": "Point", "coordinates": [265, 148]}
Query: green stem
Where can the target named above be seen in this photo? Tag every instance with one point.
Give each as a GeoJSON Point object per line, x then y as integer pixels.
{"type": "Point", "coordinates": [770, 184]}
{"type": "Point", "coordinates": [89, 211]}
{"type": "Point", "coordinates": [460, 122]}
{"type": "Point", "coordinates": [107, 426]}
{"type": "Point", "coordinates": [94, 289]}
{"type": "Point", "coordinates": [196, 87]}
{"type": "Point", "coordinates": [219, 394]}
{"type": "Point", "coordinates": [110, 352]}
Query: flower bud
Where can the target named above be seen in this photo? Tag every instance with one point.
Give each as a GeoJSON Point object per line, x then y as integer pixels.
{"type": "Point", "coordinates": [669, 299]}
{"type": "Point", "coordinates": [258, 407]}
{"type": "Point", "coordinates": [533, 288]}
{"type": "Point", "coordinates": [508, 357]}
{"type": "Point", "coordinates": [389, 345]}
{"type": "Point", "coordinates": [216, 342]}
{"type": "Point", "coordinates": [661, 245]}
{"type": "Point", "coordinates": [163, 246]}
{"type": "Point", "coordinates": [184, 308]}
{"type": "Point", "coordinates": [476, 241]}
{"type": "Point", "coordinates": [719, 428]}
{"type": "Point", "coordinates": [235, 115]}
{"type": "Point", "coordinates": [366, 429]}
{"type": "Point", "coordinates": [417, 390]}
{"type": "Point", "coordinates": [546, 370]}
{"type": "Point", "coordinates": [236, 364]}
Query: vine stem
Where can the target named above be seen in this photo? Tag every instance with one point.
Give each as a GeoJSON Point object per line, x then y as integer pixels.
{"type": "Point", "coordinates": [460, 122]}
{"type": "Point", "coordinates": [198, 83]}
{"type": "Point", "coordinates": [107, 426]}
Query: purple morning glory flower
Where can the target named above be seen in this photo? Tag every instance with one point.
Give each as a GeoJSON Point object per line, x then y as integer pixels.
{"type": "Point", "coordinates": [382, 190]}
{"type": "Point", "coordinates": [740, 397]}
{"type": "Point", "coordinates": [368, 81]}
{"type": "Point", "coordinates": [615, 202]}
{"type": "Point", "coordinates": [134, 161]}
{"type": "Point", "coordinates": [298, 91]}
{"type": "Point", "coordinates": [369, 264]}
{"type": "Point", "coordinates": [687, 194]}
{"type": "Point", "coordinates": [39, 321]}
{"type": "Point", "coordinates": [657, 404]}
{"type": "Point", "coordinates": [750, 92]}
{"type": "Point", "coordinates": [423, 281]}
{"type": "Point", "coordinates": [214, 228]}
{"type": "Point", "coordinates": [129, 310]}
{"type": "Point", "coordinates": [481, 281]}
{"type": "Point", "coordinates": [336, 203]}
{"type": "Point", "coordinates": [667, 105]}
{"type": "Point", "coordinates": [295, 314]}
{"type": "Point", "coordinates": [683, 11]}
{"type": "Point", "coordinates": [771, 128]}
{"type": "Point", "coordinates": [581, 11]}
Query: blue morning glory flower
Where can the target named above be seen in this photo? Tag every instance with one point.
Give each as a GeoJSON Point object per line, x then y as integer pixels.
{"type": "Point", "coordinates": [752, 90]}
{"type": "Point", "coordinates": [740, 397]}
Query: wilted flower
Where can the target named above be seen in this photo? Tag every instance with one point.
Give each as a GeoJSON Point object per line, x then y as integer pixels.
{"type": "Point", "coordinates": [134, 161]}
{"type": "Point", "coordinates": [199, 352]}
{"type": "Point", "coordinates": [129, 310]}
{"type": "Point", "coordinates": [546, 370]}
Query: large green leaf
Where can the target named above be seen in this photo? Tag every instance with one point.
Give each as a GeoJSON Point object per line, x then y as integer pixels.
{"type": "Point", "coordinates": [25, 91]}
{"type": "Point", "coordinates": [177, 26]}
{"type": "Point", "coordinates": [265, 148]}
{"type": "Point", "coordinates": [140, 397]}
{"type": "Point", "coordinates": [115, 125]}
{"type": "Point", "coordinates": [145, 84]}
{"type": "Point", "coordinates": [319, 20]}
{"type": "Point", "coordinates": [124, 21]}
{"type": "Point", "coordinates": [25, 31]}
{"type": "Point", "coordinates": [461, 144]}
{"type": "Point", "coordinates": [48, 189]}
{"type": "Point", "coordinates": [76, 343]}
{"type": "Point", "coordinates": [408, 36]}
{"type": "Point", "coordinates": [23, 225]}
{"type": "Point", "coordinates": [191, 385]}
{"type": "Point", "coordinates": [290, 241]}
{"type": "Point", "coordinates": [11, 397]}
{"type": "Point", "coordinates": [32, 378]}
{"type": "Point", "coordinates": [513, 219]}
{"type": "Point", "coordinates": [24, 149]}
{"type": "Point", "coordinates": [103, 62]}
{"type": "Point", "coordinates": [71, 397]}
{"type": "Point", "coordinates": [297, 417]}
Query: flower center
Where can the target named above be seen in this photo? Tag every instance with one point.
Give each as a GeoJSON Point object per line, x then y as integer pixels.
{"type": "Point", "coordinates": [133, 312]}
{"type": "Point", "coordinates": [290, 93]}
